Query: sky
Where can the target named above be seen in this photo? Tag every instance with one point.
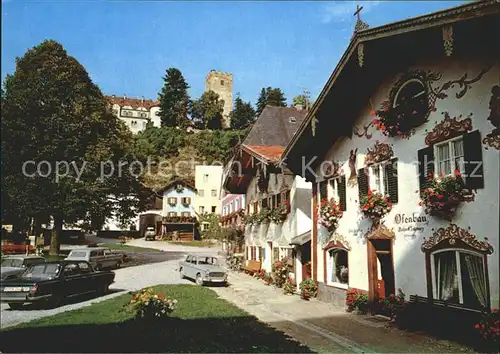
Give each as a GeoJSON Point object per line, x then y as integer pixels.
{"type": "Point", "coordinates": [126, 46]}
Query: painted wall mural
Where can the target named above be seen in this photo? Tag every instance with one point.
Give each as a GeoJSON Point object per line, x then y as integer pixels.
{"type": "Point", "coordinates": [448, 128]}
{"type": "Point", "coordinates": [379, 152]}
{"type": "Point", "coordinates": [493, 139]}
{"type": "Point", "coordinates": [411, 100]}
{"type": "Point", "coordinates": [353, 178]}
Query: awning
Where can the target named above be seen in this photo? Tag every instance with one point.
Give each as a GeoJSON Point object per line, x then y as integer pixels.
{"type": "Point", "coordinates": [301, 239]}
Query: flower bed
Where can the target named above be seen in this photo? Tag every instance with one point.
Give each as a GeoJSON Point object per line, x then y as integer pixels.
{"type": "Point", "coordinates": [375, 205]}
{"type": "Point", "coordinates": [443, 196]}
{"type": "Point", "coordinates": [280, 271]}
{"type": "Point", "coordinates": [147, 305]}
{"type": "Point", "coordinates": [356, 300]}
{"type": "Point", "coordinates": [329, 214]}
{"type": "Point", "coordinates": [308, 289]}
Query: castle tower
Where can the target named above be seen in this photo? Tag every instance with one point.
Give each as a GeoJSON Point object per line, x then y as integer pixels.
{"type": "Point", "coordinates": [222, 84]}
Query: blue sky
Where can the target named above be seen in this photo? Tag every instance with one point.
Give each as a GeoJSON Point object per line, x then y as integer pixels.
{"type": "Point", "coordinates": [126, 46]}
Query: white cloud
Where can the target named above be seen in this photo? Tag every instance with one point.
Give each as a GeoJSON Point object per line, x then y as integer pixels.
{"type": "Point", "coordinates": [341, 11]}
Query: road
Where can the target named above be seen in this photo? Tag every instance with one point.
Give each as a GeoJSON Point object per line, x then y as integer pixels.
{"type": "Point", "coordinates": [127, 279]}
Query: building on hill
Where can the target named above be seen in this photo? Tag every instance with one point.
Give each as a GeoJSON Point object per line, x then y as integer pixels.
{"type": "Point", "coordinates": [277, 211]}
{"type": "Point", "coordinates": [405, 126]}
{"type": "Point", "coordinates": [222, 84]}
{"type": "Point", "coordinates": [136, 113]}
{"type": "Point", "coordinates": [207, 181]}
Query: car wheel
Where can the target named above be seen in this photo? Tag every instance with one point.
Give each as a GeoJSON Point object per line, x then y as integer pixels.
{"type": "Point", "coordinates": [199, 279]}
{"type": "Point", "coordinates": [16, 305]}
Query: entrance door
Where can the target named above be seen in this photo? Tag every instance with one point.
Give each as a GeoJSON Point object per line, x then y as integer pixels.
{"type": "Point", "coordinates": [380, 271]}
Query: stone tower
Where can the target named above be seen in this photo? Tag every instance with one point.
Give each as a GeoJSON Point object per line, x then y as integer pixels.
{"type": "Point", "coordinates": [222, 84]}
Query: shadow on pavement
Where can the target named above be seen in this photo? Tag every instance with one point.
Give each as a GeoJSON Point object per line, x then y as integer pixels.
{"type": "Point", "coordinates": [229, 334]}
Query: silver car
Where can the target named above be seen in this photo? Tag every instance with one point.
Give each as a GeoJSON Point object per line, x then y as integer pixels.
{"type": "Point", "coordinates": [203, 269]}
{"type": "Point", "coordinates": [98, 257]}
{"type": "Point", "coordinates": [13, 266]}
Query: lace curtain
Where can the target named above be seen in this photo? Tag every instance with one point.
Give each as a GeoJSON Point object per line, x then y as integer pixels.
{"type": "Point", "coordinates": [447, 276]}
{"type": "Point", "coordinates": [477, 277]}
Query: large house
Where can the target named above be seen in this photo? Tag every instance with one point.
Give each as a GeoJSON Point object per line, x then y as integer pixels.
{"type": "Point", "coordinates": [208, 186]}
{"type": "Point", "coordinates": [411, 113]}
{"type": "Point", "coordinates": [277, 202]}
{"type": "Point", "coordinates": [136, 113]}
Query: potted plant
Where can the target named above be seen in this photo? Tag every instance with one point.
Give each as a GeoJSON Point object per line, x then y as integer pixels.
{"type": "Point", "coordinates": [443, 195]}
{"type": "Point", "coordinates": [289, 287]}
{"type": "Point", "coordinates": [356, 300]}
{"type": "Point", "coordinates": [329, 213]}
{"type": "Point", "coordinates": [308, 289]}
{"type": "Point", "coordinates": [393, 304]}
{"type": "Point", "coordinates": [375, 205]}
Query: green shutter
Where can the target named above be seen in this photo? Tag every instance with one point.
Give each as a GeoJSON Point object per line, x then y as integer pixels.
{"type": "Point", "coordinates": [362, 183]}
{"type": "Point", "coordinates": [391, 172]}
{"type": "Point", "coordinates": [342, 193]}
{"type": "Point", "coordinates": [425, 165]}
{"type": "Point", "coordinates": [474, 175]}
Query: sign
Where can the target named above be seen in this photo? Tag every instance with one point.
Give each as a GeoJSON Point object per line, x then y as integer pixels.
{"type": "Point", "coordinates": [410, 218]}
{"type": "Point", "coordinates": [410, 224]}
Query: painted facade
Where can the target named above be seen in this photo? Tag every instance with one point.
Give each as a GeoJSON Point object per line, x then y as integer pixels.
{"type": "Point", "coordinates": [463, 110]}
{"type": "Point", "coordinates": [208, 186]}
{"type": "Point", "coordinates": [178, 200]}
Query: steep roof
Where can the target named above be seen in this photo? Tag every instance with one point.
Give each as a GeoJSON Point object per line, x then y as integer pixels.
{"type": "Point", "coordinates": [275, 126]}
{"type": "Point", "coordinates": [176, 182]}
{"type": "Point", "coordinates": [132, 102]}
{"type": "Point", "coordinates": [270, 153]}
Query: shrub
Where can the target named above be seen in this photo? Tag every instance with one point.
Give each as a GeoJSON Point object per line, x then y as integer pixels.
{"type": "Point", "coordinates": [489, 328]}
{"type": "Point", "coordinates": [308, 289]}
{"type": "Point", "coordinates": [280, 270]}
{"type": "Point", "coordinates": [393, 304]}
{"type": "Point", "coordinates": [356, 300]}
{"type": "Point", "coordinates": [374, 205]}
{"type": "Point", "coordinates": [147, 305]}
{"type": "Point", "coordinates": [290, 286]}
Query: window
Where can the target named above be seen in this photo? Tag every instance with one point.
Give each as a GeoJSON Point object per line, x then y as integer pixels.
{"type": "Point", "coordinates": [333, 189]}
{"type": "Point", "coordinates": [264, 203]}
{"type": "Point", "coordinates": [292, 120]}
{"type": "Point", "coordinates": [213, 192]}
{"type": "Point", "coordinates": [337, 272]}
{"type": "Point", "coordinates": [201, 193]}
{"type": "Point", "coordinates": [213, 209]}
{"type": "Point", "coordinates": [378, 179]}
{"type": "Point", "coordinates": [236, 205]}
{"type": "Point", "coordinates": [204, 226]}
{"type": "Point", "coordinates": [222, 82]}
{"type": "Point", "coordinates": [459, 277]}
{"type": "Point", "coordinates": [172, 213]}
{"type": "Point", "coordinates": [205, 178]}
{"type": "Point", "coordinates": [323, 190]}
{"type": "Point", "coordinates": [84, 267]}
{"type": "Point", "coordinates": [186, 214]}
{"type": "Point", "coordinates": [143, 115]}
{"type": "Point", "coordinates": [449, 156]}
{"type": "Point", "coordinates": [202, 210]}
{"type": "Point", "coordinates": [172, 201]}
{"type": "Point", "coordinates": [186, 201]}
{"type": "Point", "coordinates": [144, 125]}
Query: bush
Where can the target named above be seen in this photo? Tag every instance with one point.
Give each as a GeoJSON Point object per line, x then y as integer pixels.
{"type": "Point", "coordinates": [280, 270]}
{"type": "Point", "coordinates": [393, 304]}
{"type": "Point", "coordinates": [290, 286]}
{"type": "Point", "coordinates": [356, 300]}
{"type": "Point", "coordinates": [308, 289]}
{"type": "Point", "coordinates": [489, 328]}
{"type": "Point", "coordinates": [146, 305]}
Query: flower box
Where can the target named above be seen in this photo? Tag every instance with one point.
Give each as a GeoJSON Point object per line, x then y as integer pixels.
{"type": "Point", "coordinates": [375, 205]}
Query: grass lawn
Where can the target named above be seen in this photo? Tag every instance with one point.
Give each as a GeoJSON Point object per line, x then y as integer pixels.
{"type": "Point", "coordinates": [202, 322]}
{"type": "Point", "coordinates": [194, 243]}
{"type": "Point", "coordinates": [127, 248]}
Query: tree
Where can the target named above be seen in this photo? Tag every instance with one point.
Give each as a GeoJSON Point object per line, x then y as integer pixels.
{"type": "Point", "coordinates": [55, 118]}
{"type": "Point", "coordinates": [206, 111]}
{"type": "Point", "coordinates": [303, 101]}
{"type": "Point", "coordinates": [270, 97]}
{"type": "Point", "coordinates": [243, 114]}
{"type": "Point", "coordinates": [174, 99]}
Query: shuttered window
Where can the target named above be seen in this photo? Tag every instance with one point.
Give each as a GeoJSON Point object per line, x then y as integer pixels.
{"type": "Point", "coordinates": [362, 183]}
{"type": "Point", "coordinates": [473, 152]}
{"type": "Point", "coordinates": [342, 193]}
{"type": "Point", "coordinates": [391, 173]}
{"type": "Point", "coordinates": [383, 178]}
{"type": "Point", "coordinates": [323, 190]}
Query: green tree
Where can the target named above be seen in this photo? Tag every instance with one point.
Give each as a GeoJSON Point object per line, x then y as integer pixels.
{"type": "Point", "coordinates": [243, 114]}
{"type": "Point", "coordinates": [303, 101]}
{"type": "Point", "coordinates": [206, 111]}
{"type": "Point", "coordinates": [53, 113]}
{"type": "Point", "coordinates": [270, 97]}
{"type": "Point", "coordinates": [174, 99]}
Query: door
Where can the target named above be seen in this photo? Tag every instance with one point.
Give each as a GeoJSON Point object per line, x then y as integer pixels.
{"type": "Point", "coordinates": [88, 279]}
{"type": "Point", "coordinates": [380, 271]}
{"type": "Point", "coordinates": [72, 280]}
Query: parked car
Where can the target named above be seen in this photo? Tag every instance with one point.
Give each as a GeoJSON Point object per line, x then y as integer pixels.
{"type": "Point", "coordinates": [98, 257]}
{"type": "Point", "coordinates": [203, 269]}
{"type": "Point", "coordinates": [150, 234]}
{"type": "Point", "coordinates": [13, 266]}
{"type": "Point", "coordinates": [52, 282]}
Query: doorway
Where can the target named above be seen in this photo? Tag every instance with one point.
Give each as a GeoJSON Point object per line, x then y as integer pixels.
{"type": "Point", "coordinates": [380, 271]}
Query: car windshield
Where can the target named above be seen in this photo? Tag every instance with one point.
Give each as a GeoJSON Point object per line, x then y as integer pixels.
{"type": "Point", "coordinates": [12, 262]}
{"type": "Point", "coordinates": [78, 254]}
{"type": "Point", "coordinates": [46, 271]}
{"type": "Point", "coordinates": [207, 260]}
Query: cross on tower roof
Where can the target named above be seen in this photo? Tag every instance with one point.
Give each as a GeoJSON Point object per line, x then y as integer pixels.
{"type": "Point", "coordinates": [358, 10]}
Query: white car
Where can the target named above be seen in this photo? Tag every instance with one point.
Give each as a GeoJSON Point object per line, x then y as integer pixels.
{"type": "Point", "coordinates": [98, 257]}
{"type": "Point", "coordinates": [150, 234]}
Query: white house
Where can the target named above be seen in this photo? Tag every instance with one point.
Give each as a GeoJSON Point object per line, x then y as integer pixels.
{"type": "Point", "coordinates": [136, 113]}
{"type": "Point", "coordinates": [438, 78]}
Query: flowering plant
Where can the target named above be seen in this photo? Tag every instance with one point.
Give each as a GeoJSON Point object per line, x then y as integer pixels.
{"type": "Point", "coordinates": [329, 214]}
{"type": "Point", "coordinates": [393, 304]}
{"type": "Point", "coordinates": [356, 300]}
{"type": "Point", "coordinates": [146, 304]}
{"type": "Point", "coordinates": [268, 279]}
{"type": "Point", "coordinates": [489, 327]}
{"type": "Point", "coordinates": [442, 196]}
{"type": "Point", "coordinates": [290, 286]}
{"type": "Point", "coordinates": [264, 216]}
{"type": "Point", "coordinates": [308, 288]}
{"type": "Point", "coordinates": [280, 270]}
{"type": "Point", "coordinates": [260, 274]}
{"type": "Point", "coordinates": [250, 219]}
{"type": "Point", "coordinates": [280, 213]}
{"type": "Point", "coordinates": [374, 205]}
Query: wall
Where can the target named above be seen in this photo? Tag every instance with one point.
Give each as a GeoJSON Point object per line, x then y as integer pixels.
{"type": "Point", "coordinates": [141, 122]}
{"type": "Point", "coordinates": [231, 203]}
{"type": "Point", "coordinates": [213, 183]}
{"type": "Point", "coordinates": [225, 91]}
{"type": "Point", "coordinates": [179, 207]}
{"type": "Point", "coordinates": [479, 217]}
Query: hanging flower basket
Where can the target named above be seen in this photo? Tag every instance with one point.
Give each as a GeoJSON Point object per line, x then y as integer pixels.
{"type": "Point", "coordinates": [329, 213]}
{"type": "Point", "coordinates": [280, 213]}
{"type": "Point", "coordinates": [375, 205]}
{"type": "Point", "coordinates": [443, 196]}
